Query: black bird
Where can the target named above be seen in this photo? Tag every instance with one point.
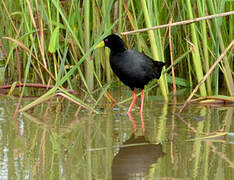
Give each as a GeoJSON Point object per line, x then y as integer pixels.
{"type": "Point", "coordinates": [133, 68]}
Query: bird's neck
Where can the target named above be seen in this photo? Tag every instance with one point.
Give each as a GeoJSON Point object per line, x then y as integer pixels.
{"type": "Point", "coordinates": [119, 50]}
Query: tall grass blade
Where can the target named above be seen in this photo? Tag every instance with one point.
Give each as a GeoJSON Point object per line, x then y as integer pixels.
{"type": "Point", "coordinates": [89, 65]}
{"type": "Point", "coordinates": [154, 48]}
{"type": "Point", "coordinates": [196, 55]}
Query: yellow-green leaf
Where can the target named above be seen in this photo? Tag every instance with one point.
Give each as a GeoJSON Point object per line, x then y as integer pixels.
{"type": "Point", "coordinates": [54, 40]}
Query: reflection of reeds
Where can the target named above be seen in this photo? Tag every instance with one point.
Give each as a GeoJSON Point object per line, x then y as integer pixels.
{"type": "Point", "coordinates": [46, 37]}
{"type": "Point", "coordinates": [49, 141]}
{"type": "Point", "coordinates": [203, 146]}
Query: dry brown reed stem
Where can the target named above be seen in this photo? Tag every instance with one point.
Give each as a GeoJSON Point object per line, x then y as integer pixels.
{"type": "Point", "coordinates": [34, 85]}
{"type": "Point", "coordinates": [179, 23]}
{"type": "Point", "coordinates": [72, 100]}
{"type": "Point", "coordinates": [20, 84]}
{"type": "Point", "coordinates": [172, 62]}
{"type": "Point", "coordinates": [206, 76]}
{"type": "Point", "coordinates": [40, 37]}
{"type": "Point", "coordinates": [31, 14]}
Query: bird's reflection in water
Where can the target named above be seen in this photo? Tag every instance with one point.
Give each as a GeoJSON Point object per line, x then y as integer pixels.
{"type": "Point", "coordinates": [135, 157]}
{"type": "Point", "coordinates": [134, 123]}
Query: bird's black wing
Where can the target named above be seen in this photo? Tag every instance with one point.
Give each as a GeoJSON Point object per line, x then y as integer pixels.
{"type": "Point", "coordinates": [157, 66]}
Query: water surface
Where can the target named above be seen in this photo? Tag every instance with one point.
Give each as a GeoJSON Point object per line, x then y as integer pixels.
{"type": "Point", "coordinates": [57, 140]}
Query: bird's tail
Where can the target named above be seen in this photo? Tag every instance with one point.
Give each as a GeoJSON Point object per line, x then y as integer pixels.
{"type": "Point", "coordinates": [158, 65]}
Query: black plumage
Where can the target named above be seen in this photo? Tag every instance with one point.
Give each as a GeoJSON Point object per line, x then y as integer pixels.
{"type": "Point", "coordinates": [133, 68]}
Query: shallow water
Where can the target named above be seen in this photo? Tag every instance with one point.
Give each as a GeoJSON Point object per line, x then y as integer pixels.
{"type": "Point", "coordinates": [53, 141]}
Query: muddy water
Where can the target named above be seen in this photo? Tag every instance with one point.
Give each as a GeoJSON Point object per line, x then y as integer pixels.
{"type": "Point", "coordinates": [55, 141]}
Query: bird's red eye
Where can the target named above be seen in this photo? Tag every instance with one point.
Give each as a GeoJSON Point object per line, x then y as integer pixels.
{"type": "Point", "coordinates": [106, 40]}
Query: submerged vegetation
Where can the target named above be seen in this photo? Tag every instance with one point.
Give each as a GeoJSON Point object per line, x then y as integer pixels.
{"type": "Point", "coordinates": [52, 43]}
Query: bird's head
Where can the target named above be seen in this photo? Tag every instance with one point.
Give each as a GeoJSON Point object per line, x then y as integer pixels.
{"type": "Point", "coordinates": [114, 42]}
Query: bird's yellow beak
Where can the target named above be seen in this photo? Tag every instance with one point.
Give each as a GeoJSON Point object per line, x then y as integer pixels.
{"type": "Point", "coordinates": [101, 44]}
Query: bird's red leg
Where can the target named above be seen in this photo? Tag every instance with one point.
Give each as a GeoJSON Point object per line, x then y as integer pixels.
{"type": "Point", "coordinates": [133, 101]}
{"type": "Point", "coordinates": [142, 100]}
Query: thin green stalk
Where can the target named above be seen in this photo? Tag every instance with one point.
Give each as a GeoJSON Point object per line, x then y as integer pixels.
{"type": "Point", "coordinates": [216, 71]}
{"type": "Point", "coordinates": [163, 84]}
{"type": "Point", "coordinates": [96, 26]}
{"type": "Point", "coordinates": [120, 13]}
{"type": "Point", "coordinates": [139, 42]}
{"type": "Point", "coordinates": [231, 20]}
{"type": "Point", "coordinates": [201, 12]}
{"type": "Point", "coordinates": [107, 62]}
{"type": "Point", "coordinates": [89, 66]}
{"type": "Point", "coordinates": [196, 55]}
